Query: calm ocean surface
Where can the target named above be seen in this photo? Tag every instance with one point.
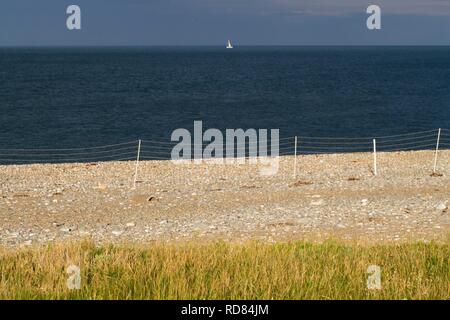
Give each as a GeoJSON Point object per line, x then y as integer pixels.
{"type": "Point", "coordinates": [82, 97]}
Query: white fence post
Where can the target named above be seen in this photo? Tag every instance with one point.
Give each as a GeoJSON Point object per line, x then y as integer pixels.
{"type": "Point", "coordinates": [437, 149]}
{"type": "Point", "coordinates": [295, 158]}
{"type": "Point", "coordinates": [375, 157]}
{"type": "Point", "coordinates": [137, 164]}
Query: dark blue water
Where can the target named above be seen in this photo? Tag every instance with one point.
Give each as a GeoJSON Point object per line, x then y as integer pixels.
{"type": "Point", "coordinates": [82, 97]}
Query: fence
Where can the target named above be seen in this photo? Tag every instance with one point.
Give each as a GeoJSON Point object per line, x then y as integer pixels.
{"type": "Point", "coordinates": [436, 140]}
{"type": "Point", "coordinates": [297, 145]}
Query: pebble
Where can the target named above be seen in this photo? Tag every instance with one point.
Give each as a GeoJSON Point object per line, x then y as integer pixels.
{"type": "Point", "coordinates": [441, 206]}
{"type": "Point", "coordinates": [317, 202]}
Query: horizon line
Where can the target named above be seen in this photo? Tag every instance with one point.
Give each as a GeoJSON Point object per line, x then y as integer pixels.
{"type": "Point", "coordinates": [217, 45]}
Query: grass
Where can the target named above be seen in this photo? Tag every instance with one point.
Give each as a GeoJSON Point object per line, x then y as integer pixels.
{"type": "Point", "coordinates": [254, 270]}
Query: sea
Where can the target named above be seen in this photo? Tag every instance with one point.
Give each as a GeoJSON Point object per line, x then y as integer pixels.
{"type": "Point", "coordinates": [83, 97]}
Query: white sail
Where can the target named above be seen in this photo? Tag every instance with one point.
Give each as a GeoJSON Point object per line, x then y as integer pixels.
{"type": "Point", "coordinates": [229, 46]}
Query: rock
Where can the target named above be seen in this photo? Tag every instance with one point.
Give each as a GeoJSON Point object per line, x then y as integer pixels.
{"type": "Point", "coordinates": [317, 202]}
{"type": "Point", "coordinates": [436, 174]}
{"type": "Point", "coordinates": [301, 183]}
{"type": "Point", "coordinates": [117, 232]}
{"type": "Point", "coordinates": [441, 206]}
{"type": "Point", "coordinates": [130, 224]}
{"type": "Point", "coordinates": [101, 186]}
{"type": "Point", "coordinates": [142, 198]}
{"type": "Point", "coordinates": [364, 202]}
{"type": "Point", "coordinates": [304, 220]}
{"type": "Point", "coordinates": [27, 243]}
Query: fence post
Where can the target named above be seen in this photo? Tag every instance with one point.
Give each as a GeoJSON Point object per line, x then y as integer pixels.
{"type": "Point", "coordinates": [137, 164]}
{"type": "Point", "coordinates": [295, 158]}
{"type": "Point", "coordinates": [437, 149]}
{"type": "Point", "coordinates": [375, 157]}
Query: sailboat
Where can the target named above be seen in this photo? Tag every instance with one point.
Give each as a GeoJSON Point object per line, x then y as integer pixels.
{"type": "Point", "coordinates": [229, 46]}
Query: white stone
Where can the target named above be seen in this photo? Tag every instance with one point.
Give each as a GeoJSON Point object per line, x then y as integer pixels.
{"type": "Point", "coordinates": [317, 202]}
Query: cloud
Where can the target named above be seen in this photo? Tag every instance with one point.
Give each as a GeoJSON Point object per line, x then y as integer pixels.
{"type": "Point", "coordinates": [321, 7]}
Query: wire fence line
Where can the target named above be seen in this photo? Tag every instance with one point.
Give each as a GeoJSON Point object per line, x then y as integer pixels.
{"type": "Point", "coordinates": [437, 139]}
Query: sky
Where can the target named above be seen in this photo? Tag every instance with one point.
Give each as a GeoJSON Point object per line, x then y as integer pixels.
{"type": "Point", "coordinates": [212, 22]}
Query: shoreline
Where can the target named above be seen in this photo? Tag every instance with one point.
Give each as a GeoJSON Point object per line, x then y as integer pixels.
{"type": "Point", "coordinates": [333, 196]}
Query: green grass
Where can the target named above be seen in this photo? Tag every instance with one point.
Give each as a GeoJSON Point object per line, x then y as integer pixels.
{"type": "Point", "coordinates": [296, 270]}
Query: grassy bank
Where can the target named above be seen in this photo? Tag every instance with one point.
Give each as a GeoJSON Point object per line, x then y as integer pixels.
{"type": "Point", "coordinates": [253, 270]}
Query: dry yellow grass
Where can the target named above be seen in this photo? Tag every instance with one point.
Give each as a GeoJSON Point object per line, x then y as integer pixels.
{"type": "Point", "coordinates": [253, 270]}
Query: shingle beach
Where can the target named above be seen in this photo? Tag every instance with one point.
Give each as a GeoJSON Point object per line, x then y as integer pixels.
{"type": "Point", "coordinates": [332, 196]}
